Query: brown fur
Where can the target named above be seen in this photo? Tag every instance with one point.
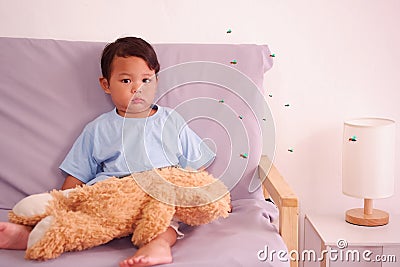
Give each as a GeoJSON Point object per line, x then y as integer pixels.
{"type": "Point", "coordinates": [94, 215]}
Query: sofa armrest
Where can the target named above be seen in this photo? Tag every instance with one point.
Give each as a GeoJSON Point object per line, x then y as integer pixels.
{"type": "Point", "coordinates": [285, 199]}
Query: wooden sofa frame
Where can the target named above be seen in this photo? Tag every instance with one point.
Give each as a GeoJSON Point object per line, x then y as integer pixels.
{"type": "Point", "coordinates": [276, 188]}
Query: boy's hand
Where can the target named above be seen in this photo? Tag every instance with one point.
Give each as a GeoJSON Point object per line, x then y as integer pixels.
{"type": "Point", "coordinates": [71, 182]}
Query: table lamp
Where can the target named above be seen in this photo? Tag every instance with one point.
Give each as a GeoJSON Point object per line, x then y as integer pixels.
{"type": "Point", "coordinates": [368, 167]}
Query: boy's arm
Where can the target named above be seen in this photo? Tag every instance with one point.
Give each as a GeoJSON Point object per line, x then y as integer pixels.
{"type": "Point", "coordinates": [71, 182]}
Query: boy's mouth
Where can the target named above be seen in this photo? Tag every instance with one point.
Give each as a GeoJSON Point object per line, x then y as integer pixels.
{"type": "Point", "coordinates": [137, 100]}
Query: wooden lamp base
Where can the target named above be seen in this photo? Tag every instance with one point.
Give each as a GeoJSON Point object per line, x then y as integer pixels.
{"type": "Point", "coordinates": [367, 216]}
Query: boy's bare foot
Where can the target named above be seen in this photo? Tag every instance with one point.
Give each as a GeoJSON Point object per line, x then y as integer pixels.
{"type": "Point", "coordinates": [13, 236]}
{"type": "Point", "coordinates": [158, 251]}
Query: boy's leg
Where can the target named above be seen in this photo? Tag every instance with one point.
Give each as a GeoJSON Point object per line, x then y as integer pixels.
{"type": "Point", "coordinates": [157, 251]}
{"type": "Point", "coordinates": [13, 236]}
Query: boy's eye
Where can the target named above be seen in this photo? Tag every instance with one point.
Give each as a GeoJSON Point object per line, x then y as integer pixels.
{"type": "Point", "coordinates": [125, 80]}
{"type": "Point", "coordinates": [146, 80]}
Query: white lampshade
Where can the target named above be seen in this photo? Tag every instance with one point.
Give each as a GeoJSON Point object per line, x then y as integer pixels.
{"type": "Point", "coordinates": [368, 158]}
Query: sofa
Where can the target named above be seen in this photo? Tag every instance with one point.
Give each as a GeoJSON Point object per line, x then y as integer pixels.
{"type": "Point", "coordinates": [50, 91]}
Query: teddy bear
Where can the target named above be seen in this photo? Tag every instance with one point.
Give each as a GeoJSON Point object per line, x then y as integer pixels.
{"type": "Point", "coordinates": [142, 204]}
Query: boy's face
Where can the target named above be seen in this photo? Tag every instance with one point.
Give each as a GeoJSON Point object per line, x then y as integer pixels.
{"type": "Point", "coordinates": [132, 87]}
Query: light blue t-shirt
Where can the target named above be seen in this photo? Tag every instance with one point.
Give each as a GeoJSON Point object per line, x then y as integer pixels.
{"type": "Point", "coordinates": [112, 145]}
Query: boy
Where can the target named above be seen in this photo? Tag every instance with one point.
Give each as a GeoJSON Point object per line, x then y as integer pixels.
{"type": "Point", "coordinates": [130, 138]}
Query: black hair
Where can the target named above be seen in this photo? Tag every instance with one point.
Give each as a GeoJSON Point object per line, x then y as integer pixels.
{"type": "Point", "coordinates": [127, 47]}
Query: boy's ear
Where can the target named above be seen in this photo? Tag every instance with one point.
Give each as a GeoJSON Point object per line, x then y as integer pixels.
{"type": "Point", "coordinates": [105, 85]}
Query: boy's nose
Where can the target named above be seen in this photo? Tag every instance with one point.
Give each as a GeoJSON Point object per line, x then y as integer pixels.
{"type": "Point", "coordinates": [135, 88]}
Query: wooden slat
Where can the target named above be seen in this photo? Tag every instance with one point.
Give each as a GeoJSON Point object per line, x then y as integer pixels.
{"type": "Point", "coordinates": [286, 201]}
{"type": "Point", "coordinates": [275, 184]}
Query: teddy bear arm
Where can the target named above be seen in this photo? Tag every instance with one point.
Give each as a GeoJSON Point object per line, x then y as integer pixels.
{"type": "Point", "coordinates": [31, 209]}
{"type": "Point", "coordinates": [155, 219]}
{"type": "Point", "coordinates": [204, 214]}
{"type": "Point", "coordinates": [68, 231]}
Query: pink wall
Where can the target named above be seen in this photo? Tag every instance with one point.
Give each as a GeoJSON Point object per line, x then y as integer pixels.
{"type": "Point", "coordinates": [339, 61]}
